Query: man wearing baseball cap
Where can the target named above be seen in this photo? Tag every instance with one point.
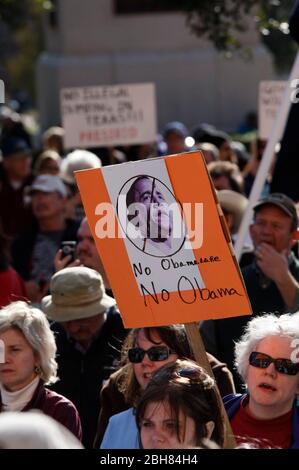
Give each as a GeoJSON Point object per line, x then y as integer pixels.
{"type": "Point", "coordinates": [271, 279]}
{"type": "Point", "coordinates": [174, 135]}
{"type": "Point", "coordinates": [33, 252]}
{"type": "Point", "coordinates": [89, 334]}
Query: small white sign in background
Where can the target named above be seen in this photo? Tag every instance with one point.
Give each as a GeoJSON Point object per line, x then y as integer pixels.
{"type": "Point", "coordinates": [270, 99]}
{"type": "Point", "coordinates": [109, 115]}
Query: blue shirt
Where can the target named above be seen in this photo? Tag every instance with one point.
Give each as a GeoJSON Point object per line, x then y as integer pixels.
{"type": "Point", "coordinates": [121, 432]}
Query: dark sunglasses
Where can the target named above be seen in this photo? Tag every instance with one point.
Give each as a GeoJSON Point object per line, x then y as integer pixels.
{"type": "Point", "coordinates": [283, 366]}
{"type": "Point", "coordinates": [187, 373]}
{"type": "Point", "coordinates": [190, 373]}
{"type": "Point", "coordinates": [155, 353]}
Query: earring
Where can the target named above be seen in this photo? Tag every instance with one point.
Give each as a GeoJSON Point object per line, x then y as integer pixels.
{"type": "Point", "coordinates": [297, 400]}
{"type": "Point", "coordinates": [37, 370]}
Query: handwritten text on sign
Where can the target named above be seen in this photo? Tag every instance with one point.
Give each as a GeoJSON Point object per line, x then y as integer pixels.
{"type": "Point", "coordinates": [270, 99]}
{"type": "Point", "coordinates": [165, 267]}
{"type": "Point", "coordinates": [189, 289]}
{"type": "Point", "coordinates": [109, 115]}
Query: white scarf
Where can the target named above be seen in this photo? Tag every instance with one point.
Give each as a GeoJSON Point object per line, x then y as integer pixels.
{"type": "Point", "coordinates": [16, 401]}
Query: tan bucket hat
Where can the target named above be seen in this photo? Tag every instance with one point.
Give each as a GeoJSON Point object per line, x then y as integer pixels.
{"type": "Point", "coordinates": [76, 293]}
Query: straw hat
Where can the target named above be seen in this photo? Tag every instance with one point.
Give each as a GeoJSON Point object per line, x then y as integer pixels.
{"type": "Point", "coordinates": [76, 293]}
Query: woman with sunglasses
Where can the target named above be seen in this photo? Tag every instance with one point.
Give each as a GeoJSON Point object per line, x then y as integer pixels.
{"type": "Point", "coordinates": [267, 360]}
{"type": "Point", "coordinates": [179, 408]}
{"type": "Point", "coordinates": [145, 351]}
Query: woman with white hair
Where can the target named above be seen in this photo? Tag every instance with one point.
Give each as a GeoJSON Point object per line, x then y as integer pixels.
{"type": "Point", "coordinates": [34, 430]}
{"type": "Point", "coordinates": [27, 364]}
{"type": "Point", "coordinates": [76, 160]}
{"type": "Point", "coordinates": [267, 358]}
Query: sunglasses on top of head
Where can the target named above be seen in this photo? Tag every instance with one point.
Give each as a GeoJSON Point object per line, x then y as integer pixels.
{"type": "Point", "coordinates": [283, 366]}
{"type": "Point", "coordinates": [155, 353]}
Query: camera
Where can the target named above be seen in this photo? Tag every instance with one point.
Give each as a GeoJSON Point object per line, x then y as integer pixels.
{"type": "Point", "coordinates": [68, 248]}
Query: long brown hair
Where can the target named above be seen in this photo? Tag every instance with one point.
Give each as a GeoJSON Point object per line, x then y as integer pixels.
{"type": "Point", "coordinates": [174, 336]}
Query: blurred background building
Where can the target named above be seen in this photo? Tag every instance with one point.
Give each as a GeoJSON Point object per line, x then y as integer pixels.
{"type": "Point", "coordinates": [110, 42]}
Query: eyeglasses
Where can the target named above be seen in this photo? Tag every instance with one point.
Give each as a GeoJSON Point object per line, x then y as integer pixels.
{"type": "Point", "coordinates": [284, 366]}
{"type": "Point", "coordinates": [155, 353]}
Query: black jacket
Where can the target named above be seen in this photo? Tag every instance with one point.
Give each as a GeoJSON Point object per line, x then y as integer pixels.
{"type": "Point", "coordinates": [286, 171]}
{"type": "Point", "coordinates": [294, 23]}
{"type": "Point", "coordinates": [22, 248]}
{"type": "Point", "coordinates": [81, 375]}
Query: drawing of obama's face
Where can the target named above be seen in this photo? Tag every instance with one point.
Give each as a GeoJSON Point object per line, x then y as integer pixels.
{"type": "Point", "coordinates": [148, 209]}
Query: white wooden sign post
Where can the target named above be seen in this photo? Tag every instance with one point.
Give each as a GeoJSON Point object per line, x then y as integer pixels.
{"type": "Point", "coordinates": [277, 130]}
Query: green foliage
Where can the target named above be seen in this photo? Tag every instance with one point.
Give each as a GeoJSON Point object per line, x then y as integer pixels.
{"type": "Point", "coordinates": [222, 21]}
{"type": "Point", "coordinates": [15, 13]}
{"type": "Point", "coordinates": [23, 20]}
{"type": "Point", "coordinates": [218, 20]}
{"type": "Point", "coordinates": [273, 27]}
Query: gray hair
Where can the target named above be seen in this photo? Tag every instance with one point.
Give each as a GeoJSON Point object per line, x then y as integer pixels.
{"type": "Point", "coordinates": [209, 148]}
{"type": "Point", "coordinates": [260, 328]}
{"type": "Point", "coordinates": [53, 131]}
{"type": "Point", "coordinates": [35, 327]}
{"type": "Point", "coordinates": [34, 430]}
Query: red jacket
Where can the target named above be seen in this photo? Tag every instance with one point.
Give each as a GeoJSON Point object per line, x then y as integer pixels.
{"type": "Point", "coordinates": [58, 407]}
{"type": "Point", "coordinates": [12, 287]}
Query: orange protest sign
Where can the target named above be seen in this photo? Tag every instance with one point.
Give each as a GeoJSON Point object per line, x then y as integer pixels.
{"type": "Point", "coordinates": [163, 243]}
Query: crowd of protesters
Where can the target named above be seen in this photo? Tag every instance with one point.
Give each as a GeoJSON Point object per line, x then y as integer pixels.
{"type": "Point", "coordinates": [66, 351]}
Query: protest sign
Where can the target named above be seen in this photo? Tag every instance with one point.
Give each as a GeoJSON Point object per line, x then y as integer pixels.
{"type": "Point", "coordinates": [289, 97]}
{"type": "Point", "coordinates": [163, 242]}
{"type": "Point", "coordinates": [270, 99]}
{"type": "Point", "coordinates": [165, 247]}
{"type": "Point", "coordinates": [109, 115]}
